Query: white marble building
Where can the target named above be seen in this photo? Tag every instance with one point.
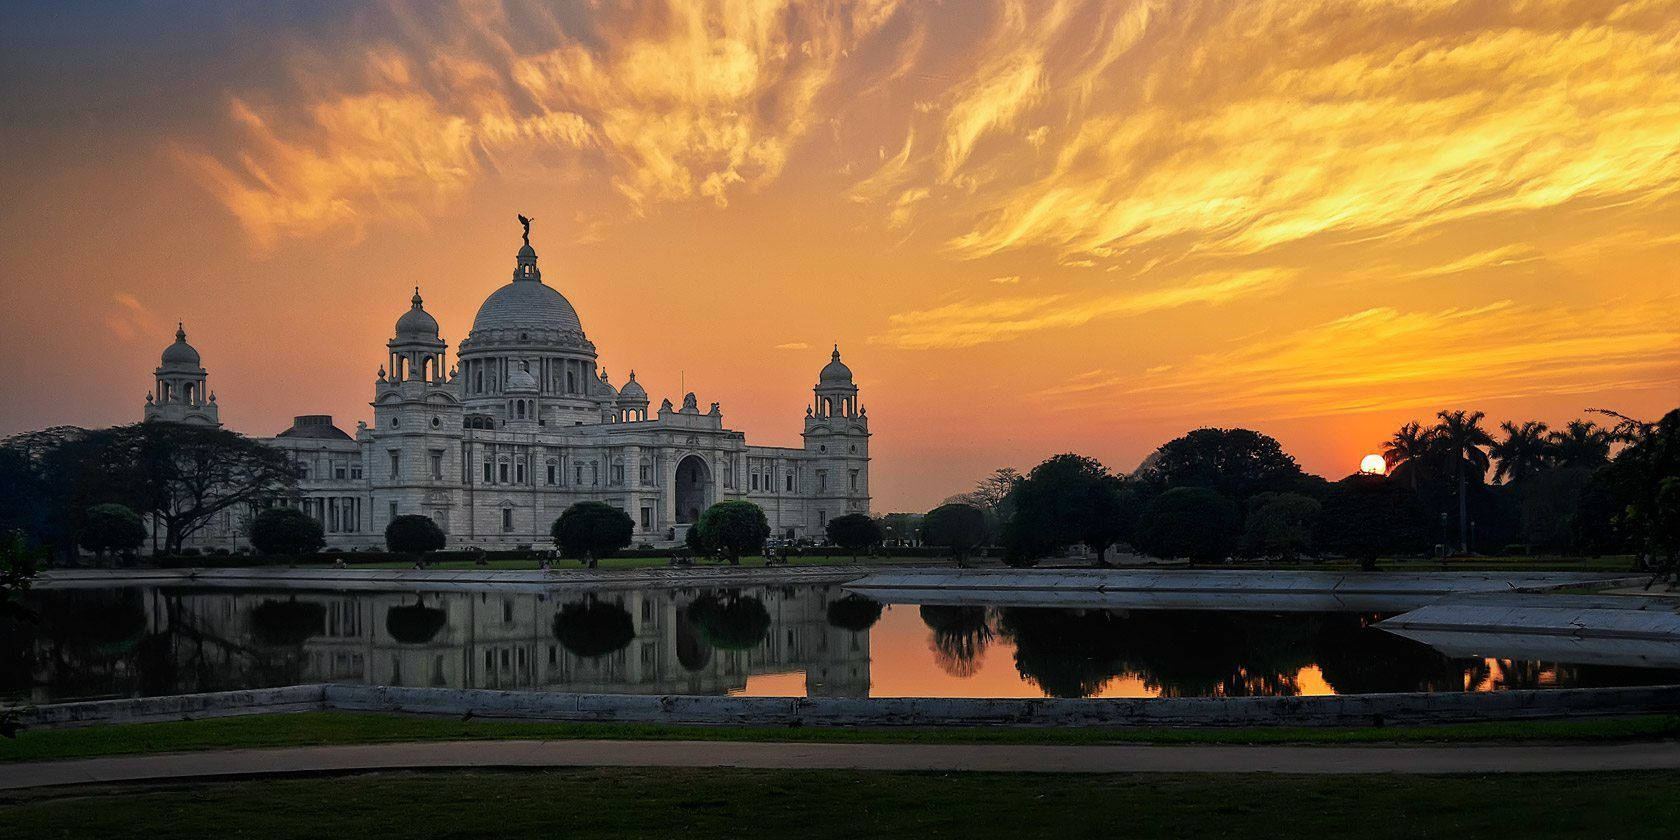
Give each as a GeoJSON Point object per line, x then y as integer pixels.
{"type": "Point", "coordinates": [527, 423]}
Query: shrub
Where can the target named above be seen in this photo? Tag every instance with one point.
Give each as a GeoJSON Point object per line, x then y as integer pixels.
{"type": "Point", "coordinates": [286, 530]}
{"type": "Point", "coordinates": [111, 527]}
{"type": "Point", "coordinates": [1192, 522]}
{"type": "Point", "coordinates": [413, 534]}
{"type": "Point", "coordinates": [734, 528]}
{"type": "Point", "coordinates": [591, 530]}
{"type": "Point", "coordinates": [1280, 525]}
{"type": "Point", "coordinates": [854, 532]}
{"type": "Point", "coordinates": [958, 527]}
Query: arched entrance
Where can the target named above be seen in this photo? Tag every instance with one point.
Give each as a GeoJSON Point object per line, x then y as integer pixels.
{"type": "Point", "coordinates": [694, 484]}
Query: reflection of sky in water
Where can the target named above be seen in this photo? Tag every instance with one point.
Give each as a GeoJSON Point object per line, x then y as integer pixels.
{"type": "Point", "coordinates": [775, 641]}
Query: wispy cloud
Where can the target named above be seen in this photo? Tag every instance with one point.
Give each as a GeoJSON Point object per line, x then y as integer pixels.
{"type": "Point", "coordinates": [970, 323]}
{"type": "Point", "coordinates": [130, 320]}
{"type": "Point", "coordinates": [794, 345]}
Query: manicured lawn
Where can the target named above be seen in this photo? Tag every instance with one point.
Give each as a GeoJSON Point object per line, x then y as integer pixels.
{"type": "Point", "coordinates": [782, 804]}
{"type": "Point", "coordinates": [311, 728]}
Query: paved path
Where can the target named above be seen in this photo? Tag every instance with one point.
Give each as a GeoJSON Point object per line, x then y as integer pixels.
{"type": "Point", "coordinates": [936, 757]}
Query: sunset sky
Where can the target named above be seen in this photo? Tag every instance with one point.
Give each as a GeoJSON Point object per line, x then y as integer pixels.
{"type": "Point", "coordinates": [1031, 227]}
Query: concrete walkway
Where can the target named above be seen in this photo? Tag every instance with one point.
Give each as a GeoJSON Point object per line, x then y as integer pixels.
{"type": "Point", "coordinates": [468, 755]}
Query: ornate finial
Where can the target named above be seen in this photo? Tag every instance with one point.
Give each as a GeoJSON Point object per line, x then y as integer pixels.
{"type": "Point", "coordinates": [180, 331]}
{"type": "Point", "coordinates": [381, 373]}
{"type": "Point", "coordinates": [212, 396]}
{"type": "Point", "coordinates": [632, 374]}
{"type": "Point", "coordinates": [148, 398]}
{"type": "Point", "coordinates": [416, 299]}
{"type": "Point", "coordinates": [836, 356]}
{"type": "Point", "coordinates": [525, 223]}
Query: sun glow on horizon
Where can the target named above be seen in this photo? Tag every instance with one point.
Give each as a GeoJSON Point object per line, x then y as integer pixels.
{"type": "Point", "coordinates": [1373, 465]}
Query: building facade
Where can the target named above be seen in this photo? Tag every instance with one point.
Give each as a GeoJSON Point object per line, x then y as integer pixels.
{"type": "Point", "coordinates": [527, 423]}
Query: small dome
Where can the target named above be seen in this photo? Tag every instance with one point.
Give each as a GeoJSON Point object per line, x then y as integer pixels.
{"type": "Point", "coordinates": [835, 370]}
{"type": "Point", "coordinates": [521, 380]}
{"type": "Point", "coordinates": [604, 388]}
{"type": "Point", "coordinates": [633, 392]}
{"type": "Point", "coordinates": [417, 322]}
{"type": "Point", "coordinates": [180, 354]}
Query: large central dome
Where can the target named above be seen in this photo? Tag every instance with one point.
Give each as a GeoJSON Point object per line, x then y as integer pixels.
{"type": "Point", "coordinates": [526, 303]}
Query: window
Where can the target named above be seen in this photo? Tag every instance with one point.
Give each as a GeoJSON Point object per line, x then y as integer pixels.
{"type": "Point", "coordinates": [790, 482]}
{"type": "Point", "coordinates": [437, 464]}
{"type": "Point", "coordinates": [571, 382]}
{"type": "Point", "coordinates": [822, 519]}
{"type": "Point", "coordinates": [356, 472]}
{"type": "Point", "coordinates": [393, 510]}
{"type": "Point", "coordinates": [647, 519]}
{"type": "Point", "coordinates": [502, 472]}
{"type": "Point", "coordinates": [579, 477]}
{"type": "Point", "coordinates": [822, 480]}
{"type": "Point", "coordinates": [507, 611]}
{"type": "Point", "coordinates": [396, 463]}
{"type": "Point", "coordinates": [755, 481]}
{"type": "Point", "coordinates": [647, 473]}
{"type": "Point", "coordinates": [854, 478]}
{"type": "Point", "coordinates": [507, 519]}
{"type": "Point", "coordinates": [553, 472]}
{"type": "Point", "coordinates": [618, 473]}
{"type": "Point", "coordinates": [338, 472]}
{"type": "Point", "coordinates": [519, 472]}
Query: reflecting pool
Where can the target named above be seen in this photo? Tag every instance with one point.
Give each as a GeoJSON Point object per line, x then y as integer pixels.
{"type": "Point", "coordinates": [813, 641]}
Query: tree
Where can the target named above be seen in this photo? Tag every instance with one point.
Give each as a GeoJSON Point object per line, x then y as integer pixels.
{"type": "Point", "coordinates": [1523, 454]}
{"type": "Point", "coordinates": [1644, 479]}
{"type": "Point", "coordinates": [412, 533]}
{"type": "Point", "coordinates": [734, 528]}
{"type": "Point", "coordinates": [1459, 436]}
{"type": "Point", "coordinates": [591, 530]}
{"type": "Point", "coordinates": [1549, 507]}
{"type": "Point", "coordinates": [1236, 462]}
{"type": "Point", "coordinates": [286, 530]}
{"type": "Point", "coordinates": [956, 526]}
{"type": "Point", "coordinates": [1194, 522]}
{"type": "Point", "coordinates": [1410, 448]}
{"type": "Point", "coordinates": [111, 527]}
{"type": "Point", "coordinates": [183, 475]}
{"type": "Point", "coordinates": [960, 636]}
{"type": "Point", "coordinates": [1582, 443]}
{"type": "Point", "coordinates": [1368, 516]}
{"type": "Point", "coordinates": [991, 495]}
{"type": "Point", "coordinates": [18, 563]}
{"type": "Point", "coordinates": [1069, 499]}
{"type": "Point", "coordinates": [854, 532]}
{"type": "Point", "coordinates": [901, 528]}
{"type": "Point", "coordinates": [1280, 525]}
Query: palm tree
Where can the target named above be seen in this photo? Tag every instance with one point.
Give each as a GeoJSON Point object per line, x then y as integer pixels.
{"type": "Point", "coordinates": [1525, 451]}
{"type": "Point", "coordinates": [1583, 443]}
{"type": "Point", "coordinates": [1412, 445]}
{"type": "Point", "coordinates": [1460, 437]}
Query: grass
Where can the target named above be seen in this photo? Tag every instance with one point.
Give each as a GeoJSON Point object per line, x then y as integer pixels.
{"type": "Point", "coordinates": [624, 563]}
{"type": "Point", "coordinates": [317, 728]}
{"type": "Point", "coordinates": [735, 803]}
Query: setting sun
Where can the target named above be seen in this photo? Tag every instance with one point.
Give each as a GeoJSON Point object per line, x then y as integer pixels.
{"type": "Point", "coordinates": [1373, 465]}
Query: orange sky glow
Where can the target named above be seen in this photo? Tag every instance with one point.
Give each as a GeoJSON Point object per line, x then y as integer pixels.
{"type": "Point", "coordinates": [1031, 227]}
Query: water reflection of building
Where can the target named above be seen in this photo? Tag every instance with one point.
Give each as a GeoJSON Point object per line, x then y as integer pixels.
{"type": "Point", "coordinates": [503, 640]}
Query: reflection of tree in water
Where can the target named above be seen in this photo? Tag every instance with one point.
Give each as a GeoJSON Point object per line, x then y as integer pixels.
{"type": "Point", "coordinates": [83, 641]}
{"type": "Point", "coordinates": [415, 624]}
{"type": "Point", "coordinates": [1357, 658]}
{"type": "Point", "coordinates": [1074, 653]}
{"type": "Point", "coordinates": [1067, 653]}
{"type": "Point", "coordinates": [959, 637]}
{"type": "Point", "coordinates": [287, 623]}
{"type": "Point", "coordinates": [593, 628]}
{"type": "Point", "coordinates": [693, 651]}
{"type": "Point", "coordinates": [731, 622]}
{"type": "Point", "coordinates": [854, 613]}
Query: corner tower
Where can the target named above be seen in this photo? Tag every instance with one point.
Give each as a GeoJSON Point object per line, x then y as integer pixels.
{"type": "Point", "coordinates": [836, 446]}
{"type": "Point", "coordinates": [181, 392]}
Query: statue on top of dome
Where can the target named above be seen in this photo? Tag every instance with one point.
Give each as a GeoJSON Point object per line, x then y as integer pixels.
{"type": "Point", "coordinates": [525, 223]}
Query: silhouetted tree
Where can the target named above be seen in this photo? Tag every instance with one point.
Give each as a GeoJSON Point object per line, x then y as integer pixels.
{"type": "Point", "coordinates": [1582, 443]}
{"type": "Point", "coordinates": [1368, 516]}
{"type": "Point", "coordinates": [1194, 522]}
{"type": "Point", "coordinates": [1460, 437]}
{"type": "Point", "coordinates": [956, 526]}
{"type": "Point", "coordinates": [286, 530]}
{"type": "Point", "coordinates": [1409, 451]}
{"type": "Point", "coordinates": [111, 527]}
{"type": "Point", "coordinates": [854, 532]}
{"type": "Point", "coordinates": [734, 528]}
{"type": "Point", "coordinates": [413, 533]}
{"type": "Point", "coordinates": [415, 624]}
{"type": "Point", "coordinates": [591, 530]}
{"type": "Point", "coordinates": [1280, 525]}
{"type": "Point", "coordinates": [1235, 462]}
{"type": "Point", "coordinates": [1522, 454]}
{"type": "Point", "coordinates": [1069, 499]}
{"type": "Point", "coordinates": [1645, 479]}
{"type": "Point", "coordinates": [1066, 653]}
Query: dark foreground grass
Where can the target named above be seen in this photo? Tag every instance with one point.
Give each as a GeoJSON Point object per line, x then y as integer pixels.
{"type": "Point", "coordinates": [316, 728]}
{"type": "Point", "coordinates": [732, 803]}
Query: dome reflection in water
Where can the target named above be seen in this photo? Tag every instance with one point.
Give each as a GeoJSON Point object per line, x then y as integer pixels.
{"type": "Point", "coordinates": [818, 641]}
